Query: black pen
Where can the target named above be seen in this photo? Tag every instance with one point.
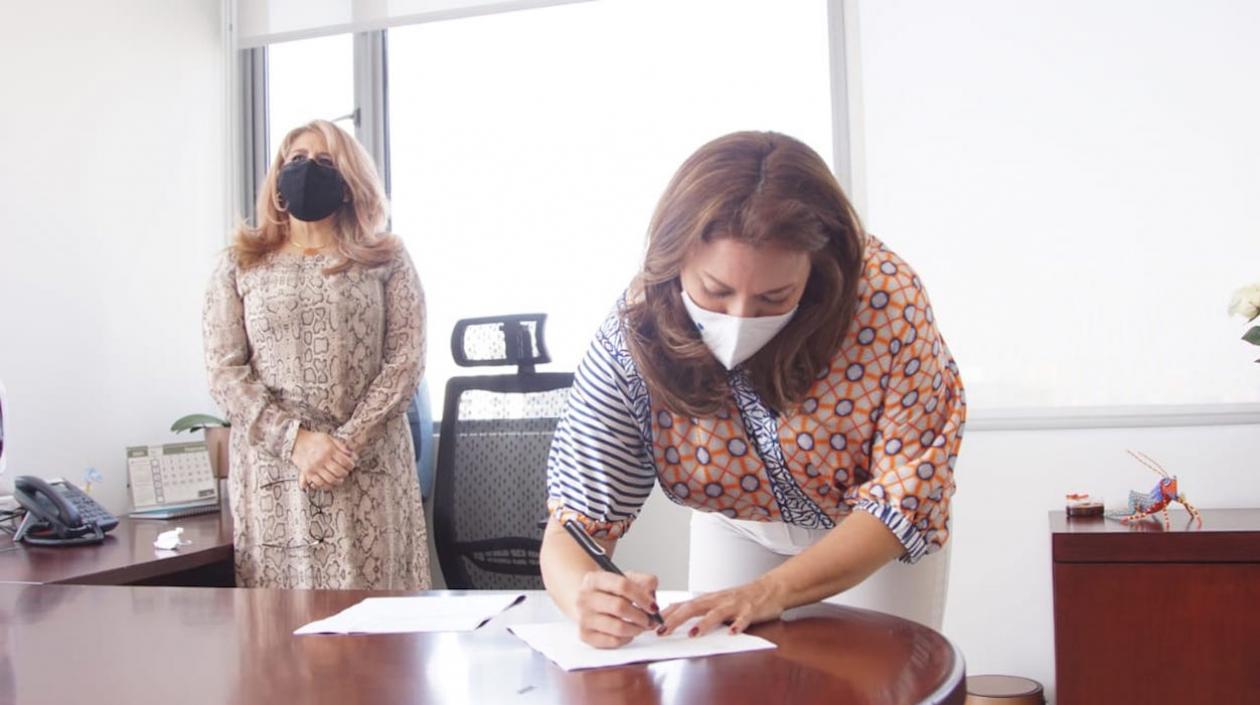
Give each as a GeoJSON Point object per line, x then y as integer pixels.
{"type": "Point", "coordinates": [597, 554]}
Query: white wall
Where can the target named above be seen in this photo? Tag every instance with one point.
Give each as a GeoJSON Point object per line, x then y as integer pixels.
{"type": "Point", "coordinates": [112, 200]}
{"type": "Point", "coordinates": [999, 609]}
{"type": "Point", "coordinates": [1078, 184]}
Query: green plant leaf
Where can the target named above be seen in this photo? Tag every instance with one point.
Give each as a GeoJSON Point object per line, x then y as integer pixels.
{"type": "Point", "coordinates": [1252, 336]}
{"type": "Point", "coordinates": [196, 422]}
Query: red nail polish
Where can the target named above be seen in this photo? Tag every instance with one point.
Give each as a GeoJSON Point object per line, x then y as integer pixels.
{"type": "Point", "coordinates": [660, 631]}
{"type": "Point", "coordinates": [734, 631]}
{"type": "Point", "coordinates": [694, 631]}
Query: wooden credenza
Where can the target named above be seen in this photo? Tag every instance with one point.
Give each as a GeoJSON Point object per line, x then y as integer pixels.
{"type": "Point", "coordinates": [1147, 615]}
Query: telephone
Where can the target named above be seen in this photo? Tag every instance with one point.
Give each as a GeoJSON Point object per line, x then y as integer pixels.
{"type": "Point", "coordinates": [59, 514]}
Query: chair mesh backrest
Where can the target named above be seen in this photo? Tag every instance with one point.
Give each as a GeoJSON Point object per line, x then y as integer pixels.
{"type": "Point", "coordinates": [497, 484]}
{"type": "Point", "coordinates": [491, 490]}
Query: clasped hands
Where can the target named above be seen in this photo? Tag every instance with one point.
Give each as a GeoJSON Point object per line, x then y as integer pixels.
{"type": "Point", "coordinates": [613, 609]}
{"type": "Point", "coordinates": [323, 462]}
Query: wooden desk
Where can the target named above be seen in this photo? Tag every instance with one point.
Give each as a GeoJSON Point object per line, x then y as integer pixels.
{"type": "Point", "coordinates": [1144, 615]}
{"type": "Point", "coordinates": [127, 556]}
{"type": "Point", "coordinates": [68, 644]}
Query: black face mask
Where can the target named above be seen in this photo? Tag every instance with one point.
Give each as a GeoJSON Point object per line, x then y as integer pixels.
{"type": "Point", "coordinates": [311, 191]}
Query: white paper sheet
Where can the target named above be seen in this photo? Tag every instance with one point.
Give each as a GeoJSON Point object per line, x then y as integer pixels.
{"type": "Point", "coordinates": [559, 642]}
{"type": "Point", "coordinates": [396, 615]}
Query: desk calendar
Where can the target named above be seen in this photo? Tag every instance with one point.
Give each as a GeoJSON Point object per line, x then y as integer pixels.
{"type": "Point", "coordinates": [171, 480]}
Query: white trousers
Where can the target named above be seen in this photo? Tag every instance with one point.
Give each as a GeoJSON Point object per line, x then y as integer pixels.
{"type": "Point", "coordinates": [730, 552]}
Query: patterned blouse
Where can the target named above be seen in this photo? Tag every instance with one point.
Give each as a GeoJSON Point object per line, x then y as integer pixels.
{"type": "Point", "coordinates": [879, 431]}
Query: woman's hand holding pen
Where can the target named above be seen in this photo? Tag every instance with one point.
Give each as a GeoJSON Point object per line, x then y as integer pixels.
{"type": "Point", "coordinates": [740, 607]}
{"type": "Point", "coordinates": [323, 461]}
{"type": "Point", "coordinates": [613, 609]}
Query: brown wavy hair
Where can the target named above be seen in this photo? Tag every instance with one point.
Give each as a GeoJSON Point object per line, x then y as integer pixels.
{"type": "Point", "coordinates": [759, 188]}
{"type": "Point", "coordinates": [360, 222]}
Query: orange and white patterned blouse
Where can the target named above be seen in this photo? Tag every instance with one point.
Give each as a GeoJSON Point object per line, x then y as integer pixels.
{"type": "Point", "coordinates": [879, 431]}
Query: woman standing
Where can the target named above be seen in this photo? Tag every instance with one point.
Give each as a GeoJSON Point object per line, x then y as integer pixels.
{"type": "Point", "coordinates": [778, 369]}
{"type": "Point", "coordinates": [314, 337]}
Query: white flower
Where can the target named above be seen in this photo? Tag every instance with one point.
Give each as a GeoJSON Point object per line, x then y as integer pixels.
{"type": "Point", "coordinates": [1246, 302]}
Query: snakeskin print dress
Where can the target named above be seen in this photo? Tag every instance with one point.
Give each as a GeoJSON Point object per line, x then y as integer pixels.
{"type": "Point", "coordinates": [289, 346]}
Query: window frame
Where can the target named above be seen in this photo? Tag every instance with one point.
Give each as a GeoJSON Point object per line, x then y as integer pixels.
{"type": "Point", "coordinates": [370, 115]}
{"type": "Point", "coordinates": [371, 108]}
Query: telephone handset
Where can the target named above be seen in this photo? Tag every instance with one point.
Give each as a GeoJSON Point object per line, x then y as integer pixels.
{"type": "Point", "coordinates": [59, 514]}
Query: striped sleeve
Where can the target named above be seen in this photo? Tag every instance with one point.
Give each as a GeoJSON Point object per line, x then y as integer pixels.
{"type": "Point", "coordinates": [599, 471]}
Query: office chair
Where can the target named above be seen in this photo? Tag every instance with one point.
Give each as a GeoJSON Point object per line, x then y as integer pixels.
{"type": "Point", "coordinates": [491, 486]}
{"type": "Point", "coordinates": [420, 421]}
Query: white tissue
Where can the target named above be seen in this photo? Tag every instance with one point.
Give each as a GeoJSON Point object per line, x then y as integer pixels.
{"type": "Point", "coordinates": [169, 540]}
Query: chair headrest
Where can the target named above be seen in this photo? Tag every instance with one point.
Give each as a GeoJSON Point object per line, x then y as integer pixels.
{"type": "Point", "coordinates": [501, 340]}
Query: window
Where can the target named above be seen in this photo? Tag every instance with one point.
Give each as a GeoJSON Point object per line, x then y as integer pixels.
{"type": "Point", "coordinates": [309, 79]}
{"type": "Point", "coordinates": [528, 149]}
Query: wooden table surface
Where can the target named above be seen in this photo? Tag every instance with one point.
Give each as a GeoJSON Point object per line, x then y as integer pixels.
{"type": "Point", "coordinates": [127, 555]}
{"type": "Point", "coordinates": [65, 644]}
{"type": "Point", "coordinates": [1227, 535]}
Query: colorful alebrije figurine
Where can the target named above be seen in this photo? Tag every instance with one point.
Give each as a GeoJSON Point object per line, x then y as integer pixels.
{"type": "Point", "coordinates": [1158, 499]}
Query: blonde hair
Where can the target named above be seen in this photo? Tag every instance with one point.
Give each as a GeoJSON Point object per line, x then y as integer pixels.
{"type": "Point", "coordinates": [360, 223]}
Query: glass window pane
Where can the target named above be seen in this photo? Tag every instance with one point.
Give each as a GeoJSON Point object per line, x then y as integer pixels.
{"type": "Point", "coordinates": [309, 79]}
{"type": "Point", "coordinates": [528, 149]}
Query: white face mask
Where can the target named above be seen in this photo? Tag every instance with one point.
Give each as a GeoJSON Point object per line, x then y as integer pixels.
{"type": "Point", "coordinates": [732, 339]}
